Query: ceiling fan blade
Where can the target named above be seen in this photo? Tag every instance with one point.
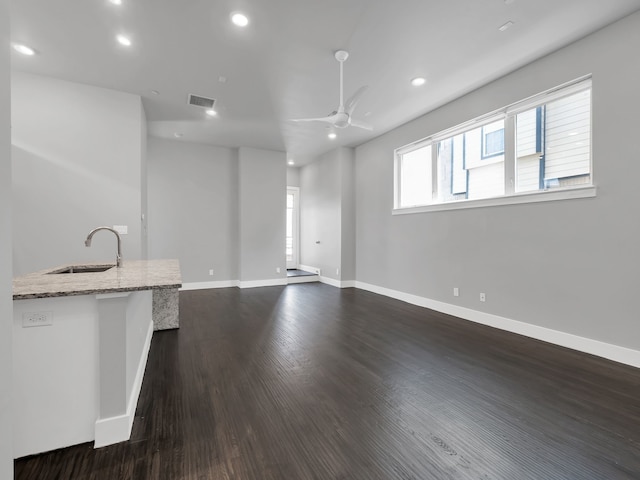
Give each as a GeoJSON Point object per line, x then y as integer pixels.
{"type": "Point", "coordinates": [353, 100]}
{"type": "Point", "coordinates": [328, 119]}
{"type": "Point", "coordinates": [361, 124]}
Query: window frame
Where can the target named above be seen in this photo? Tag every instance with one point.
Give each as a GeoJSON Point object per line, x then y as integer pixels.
{"type": "Point", "coordinates": [510, 195]}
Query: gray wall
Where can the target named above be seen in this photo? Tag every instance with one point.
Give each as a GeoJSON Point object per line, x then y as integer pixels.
{"type": "Point", "coordinates": [144, 188]}
{"type": "Point", "coordinates": [76, 165]}
{"type": "Point", "coordinates": [6, 302]}
{"type": "Point", "coordinates": [568, 265]}
{"type": "Point", "coordinates": [348, 214]}
{"type": "Point", "coordinates": [192, 196]}
{"type": "Point", "coordinates": [261, 214]}
{"type": "Point", "coordinates": [320, 214]}
{"type": "Point", "coordinates": [293, 177]}
{"type": "Point", "coordinates": [327, 214]}
{"type": "Point", "coordinates": [217, 208]}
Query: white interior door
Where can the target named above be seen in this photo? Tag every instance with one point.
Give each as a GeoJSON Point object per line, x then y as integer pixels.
{"type": "Point", "coordinates": [293, 227]}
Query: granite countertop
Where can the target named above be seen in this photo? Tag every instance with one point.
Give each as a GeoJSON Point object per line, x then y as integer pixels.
{"type": "Point", "coordinates": [132, 275]}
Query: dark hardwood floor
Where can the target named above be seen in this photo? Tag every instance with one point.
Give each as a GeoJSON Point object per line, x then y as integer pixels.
{"type": "Point", "coordinates": [312, 382]}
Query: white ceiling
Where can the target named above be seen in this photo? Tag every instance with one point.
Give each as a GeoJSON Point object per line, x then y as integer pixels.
{"type": "Point", "coordinates": [282, 66]}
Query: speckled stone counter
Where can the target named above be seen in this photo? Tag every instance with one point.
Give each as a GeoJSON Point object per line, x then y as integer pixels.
{"type": "Point", "coordinates": [131, 276]}
{"type": "Point", "coordinates": [161, 276]}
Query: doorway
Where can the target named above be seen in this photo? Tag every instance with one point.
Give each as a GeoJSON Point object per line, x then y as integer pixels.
{"type": "Point", "coordinates": [292, 247]}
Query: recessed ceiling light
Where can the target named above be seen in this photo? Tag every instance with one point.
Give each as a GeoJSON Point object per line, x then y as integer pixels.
{"type": "Point", "coordinates": [222, 79]}
{"type": "Point", "coordinates": [291, 162]}
{"type": "Point", "coordinates": [116, 2]}
{"type": "Point", "coordinates": [418, 81]}
{"type": "Point", "coordinates": [239, 19]}
{"type": "Point", "coordinates": [122, 40]}
{"type": "Point", "coordinates": [23, 49]}
{"type": "Point", "coordinates": [508, 2]}
{"type": "Point", "coordinates": [332, 136]}
{"type": "Point", "coordinates": [211, 112]}
{"type": "Point", "coordinates": [506, 26]}
{"type": "Point", "coordinates": [178, 134]}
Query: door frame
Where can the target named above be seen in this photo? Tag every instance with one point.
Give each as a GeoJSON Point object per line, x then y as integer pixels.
{"type": "Point", "coordinates": [295, 191]}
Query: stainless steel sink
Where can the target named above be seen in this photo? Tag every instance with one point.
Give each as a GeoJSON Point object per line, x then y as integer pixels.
{"type": "Point", "coordinates": [83, 269]}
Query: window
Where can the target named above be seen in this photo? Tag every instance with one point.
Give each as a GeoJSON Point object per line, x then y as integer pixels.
{"type": "Point", "coordinates": [414, 171]}
{"type": "Point", "coordinates": [540, 145]}
{"type": "Point", "coordinates": [493, 139]}
{"type": "Point", "coordinates": [464, 171]}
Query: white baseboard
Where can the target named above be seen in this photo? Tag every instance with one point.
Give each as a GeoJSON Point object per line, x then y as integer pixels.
{"type": "Point", "coordinates": [303, 279]}
{"type": "Point", "coordinates": [575, 342]}
{"type": "Point", "coordinates": [112, 430]}
{"type": "Point", "coordinates": [338, 283]}
{"type": "Point", "coordinates": [118, 429]}
{"type": "Point", "coordinates": [309, 269]}
{"type": "Point", "coordinates": [206, 285]}
{"type": "Point", "coordinates": [270, 282]}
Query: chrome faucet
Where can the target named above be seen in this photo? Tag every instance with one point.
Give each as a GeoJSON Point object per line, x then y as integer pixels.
{"type": "Point", "coordinates": [87, 242]}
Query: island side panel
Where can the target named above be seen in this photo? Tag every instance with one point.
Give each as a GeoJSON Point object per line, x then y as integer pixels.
{"type": "Point", "coordinates": [55, 373]}
{"type": "Point", "coordinates": [126, 329]}
{"type": "Point", "coordinates": [166, 309]}
{"type": "Point", "coordinates": [139, 333]}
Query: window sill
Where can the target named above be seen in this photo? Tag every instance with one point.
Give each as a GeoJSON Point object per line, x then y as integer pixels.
{"type": "Point", "coordinates": [518, 198]}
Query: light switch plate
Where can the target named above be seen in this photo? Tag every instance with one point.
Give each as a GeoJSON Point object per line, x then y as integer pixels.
{"type": "Point", "coordinates": [121, 229]}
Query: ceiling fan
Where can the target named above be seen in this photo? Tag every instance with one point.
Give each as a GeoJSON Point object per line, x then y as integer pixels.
{"type": "Point", "coordinates": [341, 118]}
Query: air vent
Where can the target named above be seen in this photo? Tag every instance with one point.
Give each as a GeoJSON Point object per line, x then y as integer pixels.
{"type": "Point", "coordinates": [199, 101]}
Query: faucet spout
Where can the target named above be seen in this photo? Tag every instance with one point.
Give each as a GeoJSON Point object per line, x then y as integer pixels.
{"type": "Point", "coordinates": [87, 242]}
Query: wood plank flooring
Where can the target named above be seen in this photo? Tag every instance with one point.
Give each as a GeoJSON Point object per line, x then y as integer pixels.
{"type": "Point", "coordinates": [310, 382]}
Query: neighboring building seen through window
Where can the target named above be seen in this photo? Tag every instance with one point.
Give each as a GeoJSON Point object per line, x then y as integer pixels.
{"type": "Point", "coordinates": [550, 149]}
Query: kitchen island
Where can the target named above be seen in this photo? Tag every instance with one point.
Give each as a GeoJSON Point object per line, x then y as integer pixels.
{"type": "Point", "coordinates": [80, 345]}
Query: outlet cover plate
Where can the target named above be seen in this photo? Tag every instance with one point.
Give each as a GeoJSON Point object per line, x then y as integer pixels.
{"type": "Point", "coordinates": [37, 319]}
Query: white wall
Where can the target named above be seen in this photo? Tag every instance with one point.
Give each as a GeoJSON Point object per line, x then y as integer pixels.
{"type": "Point", "coordinates": [6, 302]}
{"type": "Point", "coordinates": [328, 215]}
{"type": "Point", "coordinates": [569, 266]}
{"type": "Point", "coordinates": [192, 196]}
{"type": "Point", "coordinates": [77, 153]}
{"type": "Point", "coordinates": [261, 214]}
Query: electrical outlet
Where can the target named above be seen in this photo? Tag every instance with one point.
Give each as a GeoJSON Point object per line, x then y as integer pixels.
{"type": "Point", "coordinates": [211, 272]}
{"type": "Point", "coordinates": [121, 229]}
{"type": "Point", "coordinates": [37, 319]}
{"type": "Point", "coordinates": [483, 297]}
{"type": "Point", "coordinates": [337, 271]}
{"type": "Point", "coordinates": [456, 292]}
{"type": "Point", "coordinates": [277, 269]}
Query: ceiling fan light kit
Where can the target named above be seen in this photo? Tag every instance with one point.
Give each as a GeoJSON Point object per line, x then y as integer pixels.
{"type": "Point", "coordinates": [341, 117]}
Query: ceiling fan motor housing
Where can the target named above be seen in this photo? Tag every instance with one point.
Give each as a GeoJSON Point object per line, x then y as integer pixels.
{"type": "Point", "coordinates": [341, 55]}
{"type": "Point", "coordinates": [341, 120]}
